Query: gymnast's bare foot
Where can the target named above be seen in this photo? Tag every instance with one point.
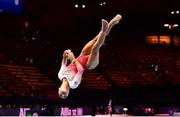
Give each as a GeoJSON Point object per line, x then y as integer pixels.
{"type": "Point", "coordinates": [113, 22]}
{"type": "Point", "coordinates": [104, 25]}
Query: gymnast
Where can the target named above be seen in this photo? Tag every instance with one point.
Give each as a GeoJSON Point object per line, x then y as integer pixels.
{"type": "Point", "coordinates": [71, 74]}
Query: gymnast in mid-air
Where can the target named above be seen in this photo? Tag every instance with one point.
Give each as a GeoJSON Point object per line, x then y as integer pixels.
{"type": "Point", "coordinates": [71, 74]}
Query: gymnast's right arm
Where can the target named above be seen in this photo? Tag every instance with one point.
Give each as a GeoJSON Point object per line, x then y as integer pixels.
{"type": "Point", "coordinates": [63, 64]}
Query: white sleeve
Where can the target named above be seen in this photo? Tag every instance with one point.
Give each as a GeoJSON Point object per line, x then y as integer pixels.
{"type": "Point", "coordinates": [77, 79]}
{"type": "Point", "coordinates": [60, 72]}
{"type": "Point", "coordinates": [63, 66]}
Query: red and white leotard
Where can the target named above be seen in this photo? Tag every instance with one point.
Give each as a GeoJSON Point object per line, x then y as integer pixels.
{"type": "Point", "coordinates": [73, 72]}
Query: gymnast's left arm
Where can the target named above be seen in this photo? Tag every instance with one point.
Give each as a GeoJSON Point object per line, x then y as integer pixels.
{"type": "Point", "coordinates": [77, 79]}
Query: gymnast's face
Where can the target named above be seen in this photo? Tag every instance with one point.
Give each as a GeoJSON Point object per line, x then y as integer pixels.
{"type": "Point", "coordinates": [63, 93]}
{"type": "Point", "coordinates": [64, 89]}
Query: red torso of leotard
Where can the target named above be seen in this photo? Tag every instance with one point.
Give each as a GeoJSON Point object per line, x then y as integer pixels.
{"type": "Point", "coordinates": [82, 60]}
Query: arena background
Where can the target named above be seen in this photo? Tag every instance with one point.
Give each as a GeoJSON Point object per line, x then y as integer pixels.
{"type": "Point", "coordinates": [139, 65]}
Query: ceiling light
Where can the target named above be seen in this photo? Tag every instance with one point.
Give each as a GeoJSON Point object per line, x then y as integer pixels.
{"type": "Point", "coordinates": [76, 5]}
{"type": "Point", "coordinates": [83, 6]}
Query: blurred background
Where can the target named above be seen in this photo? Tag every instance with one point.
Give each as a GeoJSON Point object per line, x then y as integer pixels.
{"type": "Point", "coordinates": [139, 65]}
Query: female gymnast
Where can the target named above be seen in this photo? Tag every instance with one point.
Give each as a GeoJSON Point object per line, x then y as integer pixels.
{"type": "Point", "coordinates": [71, 74]}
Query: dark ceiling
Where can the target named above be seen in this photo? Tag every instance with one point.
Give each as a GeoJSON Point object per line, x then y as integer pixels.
{"type": "Point", "coordinates": [61, 15]}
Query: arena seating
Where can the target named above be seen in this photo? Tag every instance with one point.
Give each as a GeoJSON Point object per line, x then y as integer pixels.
{"type": "Point", "coordinates": [24, 80]}
{"type": "Point", "coordinates": [135, 65]}
{"type": "Point", "coordinates": [93, 80]}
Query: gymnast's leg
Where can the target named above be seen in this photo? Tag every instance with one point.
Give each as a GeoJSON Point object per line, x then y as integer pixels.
{"type": "Point", "coordinates": [113, 22]}
{"type": "Point", "coordinates": [87, 48]}
{"type": "Point", "coordinates": [93, 60]}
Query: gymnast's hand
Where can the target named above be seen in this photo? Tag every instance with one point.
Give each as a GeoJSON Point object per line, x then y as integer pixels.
{"type": "Point", "coordinates": [66, 52]}
{"type": "Point", "coordinates": [71, 56]}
